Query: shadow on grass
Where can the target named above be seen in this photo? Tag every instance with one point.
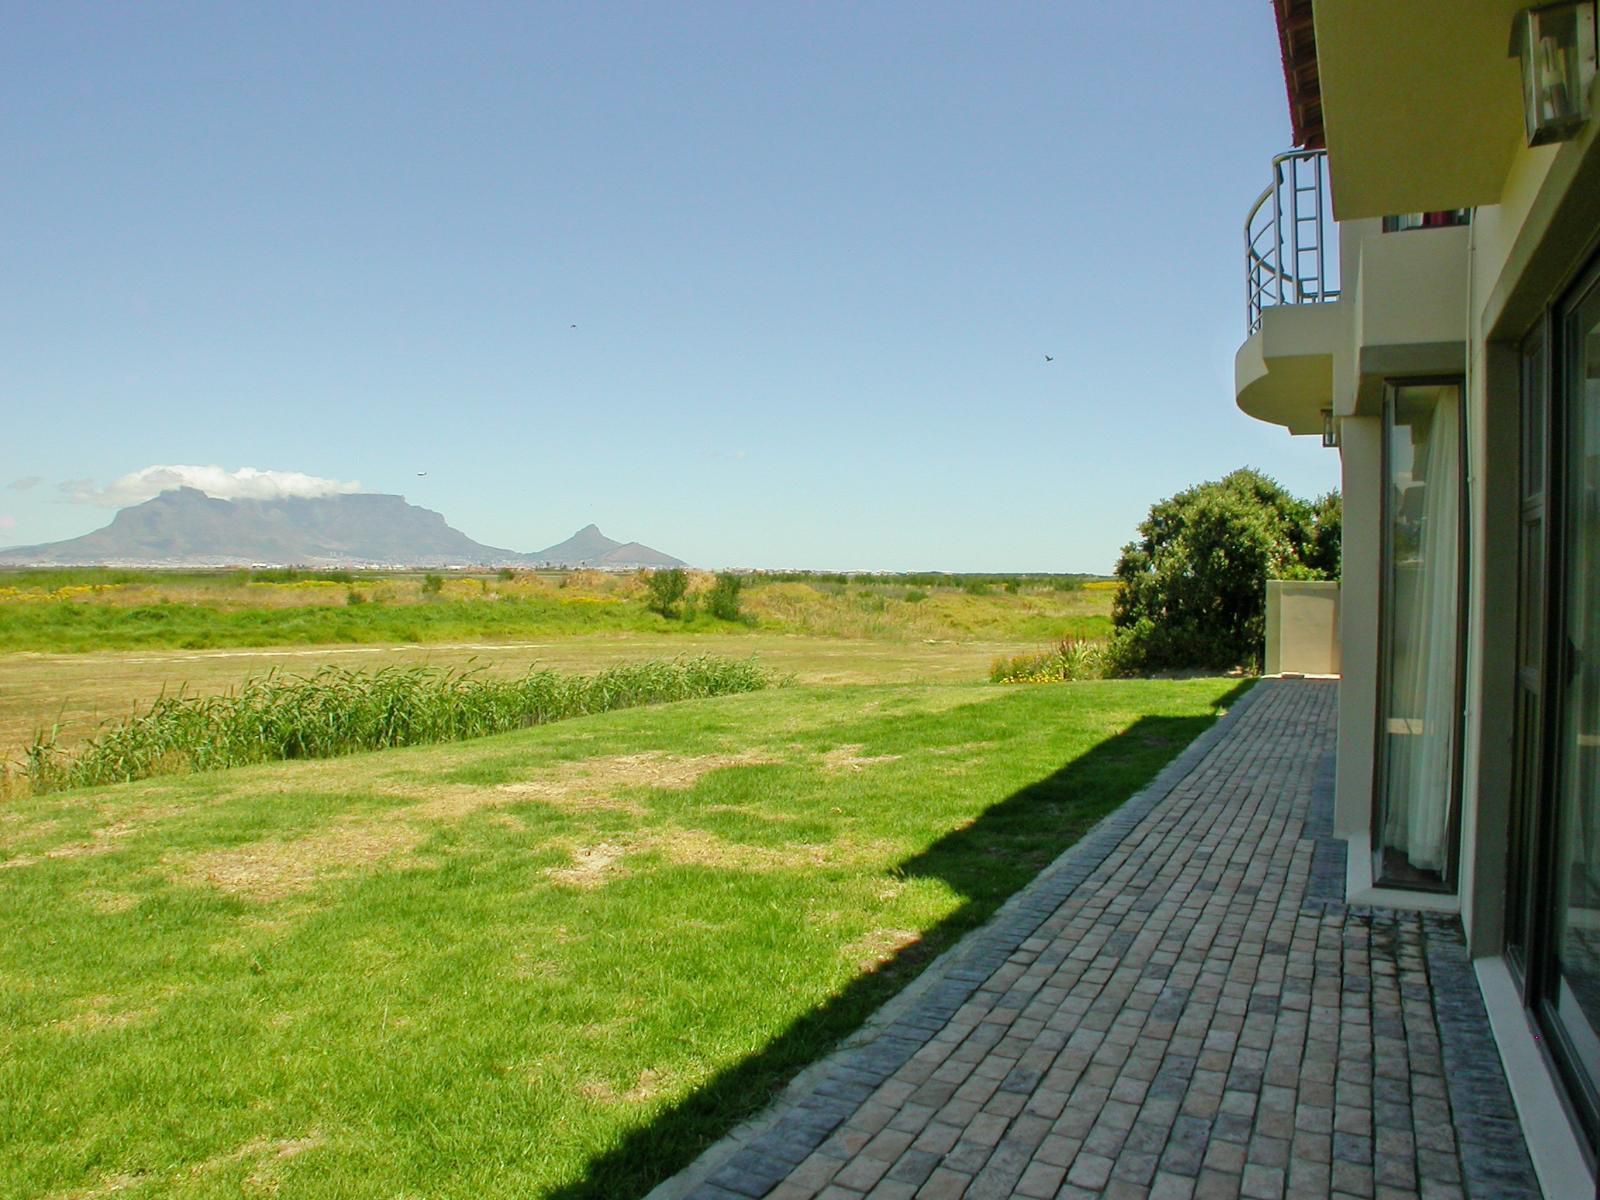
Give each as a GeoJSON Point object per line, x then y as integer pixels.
{"type": "Point", "coordinates": [985, 862]}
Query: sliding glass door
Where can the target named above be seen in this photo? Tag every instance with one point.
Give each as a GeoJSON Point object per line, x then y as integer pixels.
{"type": "Point", "coordinates": [1574, 968]}
{"type": "Point", "coordinates": [1420, 712]}
{"type": "Point", "coordinates": [1553, 914]}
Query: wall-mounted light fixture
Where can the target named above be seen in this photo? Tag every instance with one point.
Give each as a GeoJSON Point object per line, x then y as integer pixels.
{"type": "Point", "coordinates": [1330, 429]}
{"type": "Point", "coordinates": [1556, 44]}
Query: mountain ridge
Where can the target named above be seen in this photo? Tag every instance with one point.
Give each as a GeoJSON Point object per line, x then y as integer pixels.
{"type": "Point", "coordinates": [186, 527]}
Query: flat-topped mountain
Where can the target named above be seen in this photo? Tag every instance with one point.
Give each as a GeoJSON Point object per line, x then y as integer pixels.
{"type": "Point", "coordinates": [186, 527]}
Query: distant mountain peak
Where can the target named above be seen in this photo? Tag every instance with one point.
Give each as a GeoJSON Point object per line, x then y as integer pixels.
{"type": "Point", "coordinates": [591, 548]}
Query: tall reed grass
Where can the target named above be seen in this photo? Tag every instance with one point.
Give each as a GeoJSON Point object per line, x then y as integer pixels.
{"type": "Point", "coordinates": [336, 711]}
{"type": "Point", "coordinates": [1071, 659]}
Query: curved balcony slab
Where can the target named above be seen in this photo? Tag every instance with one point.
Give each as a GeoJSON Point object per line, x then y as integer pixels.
{"type": "Point", "coordinates": [1284, 373]}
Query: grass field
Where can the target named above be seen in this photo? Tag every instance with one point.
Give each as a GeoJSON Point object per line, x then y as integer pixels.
{"type": "Point", "coordinates": [81, 647]}
{"type": "Point", "coordinates": [550, 963]}
{"type": "Point", "coordinates": [83, 611]}
{"type": "Point", "coordinates": [79, 691]}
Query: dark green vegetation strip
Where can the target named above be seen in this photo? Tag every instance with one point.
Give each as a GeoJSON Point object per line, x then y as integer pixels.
{"type": "Point", "coordinates": [76, 611]}
{"type": "Point", "coordinates": [555, 962]}
{"type": "Point", "coordinates": [58, 626]}
{"type": "Point", "coordinates": [336, 711]}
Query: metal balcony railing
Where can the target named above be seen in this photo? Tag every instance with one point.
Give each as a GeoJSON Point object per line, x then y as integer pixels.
{"type": "Point", "coordinates": [1291, 255]}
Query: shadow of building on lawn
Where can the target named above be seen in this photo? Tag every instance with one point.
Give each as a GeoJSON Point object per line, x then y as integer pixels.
{"type": "Point", "coordinates": [985, 863]}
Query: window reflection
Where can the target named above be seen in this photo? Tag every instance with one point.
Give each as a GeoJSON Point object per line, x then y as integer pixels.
{"type": "Point", "coordinates": [1577, 881]}
{"type": "Point", "coordinates": [1421, 609]}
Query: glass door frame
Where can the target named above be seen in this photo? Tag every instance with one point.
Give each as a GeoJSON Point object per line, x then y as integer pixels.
{"type": "Point", "coordinates": [1448, 881]}
{"type": "Point", "coordinates": [1535, 822]}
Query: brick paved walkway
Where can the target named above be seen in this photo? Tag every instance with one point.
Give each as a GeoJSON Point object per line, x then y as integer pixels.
{"type": "Point", "coordinates": [1180, 1007]}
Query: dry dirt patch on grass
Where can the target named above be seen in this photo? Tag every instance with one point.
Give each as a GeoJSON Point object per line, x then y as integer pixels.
{"type": "Point", "coordinates": [591, 866]}
{"type": "Point", "coordinates": [595, 866]}
{"type": "Point", "coordinates": [850, 758]}
{"type": "Point", "coordinates": [271, 869]}
{"type": "Point", "coordinates": [696, 848]}
{"type": "Point", "coordinates": [880, 946]}
{"type": "Point", "coordinates": [592, 782]}
{"type": "Point", "coordinates": [109, 902]}
{"type": "Point", "coordinates": [95, 1013]}
{"type": "Point", "coordinates": [109, 1186]}
{"type": "Point", "coordinates": [101, 841]}
{"type": "Point", "coordinates": [646, 1087]}
{"type": "Point", "coordinates": [267, 1154]}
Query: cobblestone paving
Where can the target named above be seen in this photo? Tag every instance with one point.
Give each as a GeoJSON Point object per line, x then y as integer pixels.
{"type": "Point", "coordinates": [1181, 1008]}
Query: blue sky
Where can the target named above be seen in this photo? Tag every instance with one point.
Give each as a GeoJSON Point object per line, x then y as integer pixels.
{"type": "Point", "coordinates": [814, 256]}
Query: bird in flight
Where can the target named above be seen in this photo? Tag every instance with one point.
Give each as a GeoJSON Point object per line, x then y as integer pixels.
{"type": "Point", "coordinates": [1049, 358]}
{"type": "Point", "coordinates": [420, 474]}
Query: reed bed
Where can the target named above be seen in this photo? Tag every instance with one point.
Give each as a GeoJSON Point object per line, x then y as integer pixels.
{"type": "Point", "coordinates": [337, 711]}
{"type": "Point", "coordinates": [1071, 659]}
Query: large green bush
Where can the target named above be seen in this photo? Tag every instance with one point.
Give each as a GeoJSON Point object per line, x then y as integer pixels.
{"type": "Point", "coordinates": [665, 590]}
{"type": "Point", "coordinates": [724, 600]}
{"type": "Point", "coordinates": [1192, 587]}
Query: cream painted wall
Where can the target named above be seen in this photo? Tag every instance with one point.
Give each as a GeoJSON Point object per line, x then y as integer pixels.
{"type": "Point", "coordinates": [1302, 627]}
{"type": "Point", "coordinates": [1361, 452]}
{"type": "Point", "coordinates": [1514, 260]}
{"type": "Point", "coordinates": [1493, 492]}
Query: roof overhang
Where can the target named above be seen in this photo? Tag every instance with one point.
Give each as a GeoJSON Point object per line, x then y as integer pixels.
{"type": "Point", "coordinates": [1297, 43]}
{"type": "Point", "coordinates": [1421, 104]}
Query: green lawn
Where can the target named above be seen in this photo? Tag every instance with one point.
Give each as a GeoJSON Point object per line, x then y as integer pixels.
{"type": "Point", "coordinates": [555, 962]}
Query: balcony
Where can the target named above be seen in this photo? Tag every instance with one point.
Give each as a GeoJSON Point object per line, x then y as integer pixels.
{"type": "Point", "coordinates": [1283, 374]}
{"type": "Point", "coordinates": [1290, 257]}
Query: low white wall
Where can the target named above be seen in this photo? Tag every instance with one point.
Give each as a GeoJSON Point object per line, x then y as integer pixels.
{"type": "Point", "coordinates": [1302, 627]}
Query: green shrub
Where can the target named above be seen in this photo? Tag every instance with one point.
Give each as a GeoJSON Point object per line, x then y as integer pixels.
{"type": "Point", "coordinates": [723, 602]}
{"type": "Point", "coordinates": [432, 585]}
{"type": "Point", "coordinates": [1071, 659]}
{"type": "Point", "coordinates": [665, 590]}
{"type": "Point", "coordinates": [353, 597]}
{"type": "Point", "coordinates": [1192, 588]}
{"type": "Point", "coordinates": [294, 575]}
{"type": "Point", "coordinates": [916, 596]}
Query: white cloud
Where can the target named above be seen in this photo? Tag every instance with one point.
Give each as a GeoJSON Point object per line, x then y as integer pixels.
{"type": "Point", "coordinates": [27, 483]}
{"type": "Point", "coordinates": [246, 483]}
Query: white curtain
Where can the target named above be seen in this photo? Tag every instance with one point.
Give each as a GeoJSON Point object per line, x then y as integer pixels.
{"type": "Point", "coordinates": [1423, 688]}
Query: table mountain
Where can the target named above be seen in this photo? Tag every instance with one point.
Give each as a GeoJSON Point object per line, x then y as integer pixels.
{"type": "Point", "coordinates": [186, 527]}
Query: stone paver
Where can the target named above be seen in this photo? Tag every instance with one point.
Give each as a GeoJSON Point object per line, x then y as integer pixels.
{"type": "Point", "coordinates": [1181, 1006]}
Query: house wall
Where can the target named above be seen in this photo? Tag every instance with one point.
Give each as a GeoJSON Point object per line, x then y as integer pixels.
{"type": "Point", "coordinates": [1492, 439]}
{"type": "Point", "coordinates": [1430, 303]}
{"type": "Point", "coordinates": [1361, 481]}
{"type": "Point", "coordinates": [1518, 256]}
{"type": "Point", "coordinates": [1302, 627]}
{"type": "Point", "coordinates": [1524, 251]}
